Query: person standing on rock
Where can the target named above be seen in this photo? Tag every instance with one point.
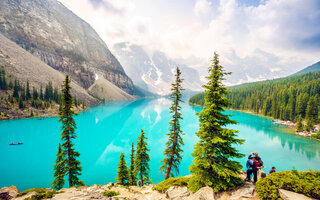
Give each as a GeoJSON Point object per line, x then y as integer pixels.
{"type": "Point", "coordinates": [249, 164]}
{"type": "Point", "coordinates": [255, 168]}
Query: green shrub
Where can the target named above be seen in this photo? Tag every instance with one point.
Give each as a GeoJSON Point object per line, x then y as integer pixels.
{"type": "Point", "coordinates": [110, 193]}
{"type": "Point", "coordinates": [307, 183]}
{"type": "Point", "coordinates": [166, 184]}
{"type": "Point", "coordinates": [41, 193]}
{"type": "Point", "coordinates": [317, 135]}
{"type": "Point", "coordinates": [38, 190]}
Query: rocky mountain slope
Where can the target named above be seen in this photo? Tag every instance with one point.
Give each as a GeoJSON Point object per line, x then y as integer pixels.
{"type": "Point", "coordinates": [55, 35]}
{"type": "Point", "coordinates": [25, 67]}
{"type": "Point", "coordinates": [154, 72]}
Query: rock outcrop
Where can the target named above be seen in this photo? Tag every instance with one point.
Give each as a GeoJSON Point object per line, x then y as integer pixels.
{"type": "Point", "coordinates": [7, 193]}
{"type": "Point", "coordinates": [288, 195]}
{"type": "Point", "coordinates": [246, 191]}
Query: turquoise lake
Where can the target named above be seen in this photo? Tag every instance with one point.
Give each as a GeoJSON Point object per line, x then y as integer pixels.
{"type": "Point", "coordinates": [107, 130]}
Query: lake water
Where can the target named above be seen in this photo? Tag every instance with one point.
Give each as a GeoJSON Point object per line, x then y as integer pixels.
{"type": "Point", "coordinates": [107, 130]}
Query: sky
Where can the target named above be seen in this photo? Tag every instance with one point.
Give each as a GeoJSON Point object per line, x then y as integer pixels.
{"type": "Point", "coordinates": [256, 39]}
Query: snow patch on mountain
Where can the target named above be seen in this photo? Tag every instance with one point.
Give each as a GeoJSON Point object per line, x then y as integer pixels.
{"type": "Point", "coordinates": [154, 71]}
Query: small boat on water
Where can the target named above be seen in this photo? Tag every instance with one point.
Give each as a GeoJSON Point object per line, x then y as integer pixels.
{"type": "Point", "coordinates": [19, 143]}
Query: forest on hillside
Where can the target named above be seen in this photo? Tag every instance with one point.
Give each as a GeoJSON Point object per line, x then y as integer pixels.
{"type": "Point", "coordinates": [18, 97]}
{"type": "Point", "coordinates": [284, 99]}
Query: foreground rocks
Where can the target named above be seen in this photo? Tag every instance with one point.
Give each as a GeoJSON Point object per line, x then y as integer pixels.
{"type": "Point", "coordinates": [8, 192]}
{"type": "Point", "coordinates": [288, 195]}
{"type": "Point", "coordinates": [247, 191]}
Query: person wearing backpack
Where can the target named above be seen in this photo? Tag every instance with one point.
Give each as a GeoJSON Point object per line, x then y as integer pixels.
{"type": "Point", "coordinates": [250, 163]}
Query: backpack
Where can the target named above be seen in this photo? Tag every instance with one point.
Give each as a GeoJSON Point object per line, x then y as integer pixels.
{"type": "Point", "coordinates": [250, 164]}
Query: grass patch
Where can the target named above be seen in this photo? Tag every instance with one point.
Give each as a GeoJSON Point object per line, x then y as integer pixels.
{"type": "Point", "coordinates": [166, 184]}
{"type": "Point", "coordinates": [41, 193]}
{"type": "Point", "coordinates": [307, 183]}
{"type": "Point", "coordinates": [110, 193]}
{"type": "Point", "coordinates": [126, 187]}
{"type": "Point", "coordinates": [38, 190]}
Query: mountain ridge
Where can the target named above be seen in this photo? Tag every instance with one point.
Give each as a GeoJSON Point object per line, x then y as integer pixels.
{"type": "Point", "coordinates": [62, 40]}
{"type": "Point", "coordinates": [154, 71]}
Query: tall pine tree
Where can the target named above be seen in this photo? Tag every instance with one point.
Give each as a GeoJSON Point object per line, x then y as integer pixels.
{"type": "Point", "coordinates": [213, 163]}
{"type": "Point", "coordinates": [132, 173]}
{"type": "Point", "coordinates": [73, 168]}
{"type": "Point", "coordinates": [299, 125]}
{"type": "Point", "coordinates": [142, 158]}
{"type": "Point", "coordinates": [173, 152]}
{"type": "Point", "coordinates": [59, 170]}
{"type": "Point", "coordinates": [28, 94]}
{"type": "Point", "coordinates": [123, 173]}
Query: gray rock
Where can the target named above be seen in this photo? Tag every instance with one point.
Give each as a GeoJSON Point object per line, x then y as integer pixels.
{"type": "Point", "coordinates": [246, 191]}
{"type": "Point", "coordinates": [175, 193]}
{"type": "Point", "coordinates": [205, 193]}
{"type": "Point", "coordinates": [288, 195]}
{"type": "Point", "coordinates": [8, 192]}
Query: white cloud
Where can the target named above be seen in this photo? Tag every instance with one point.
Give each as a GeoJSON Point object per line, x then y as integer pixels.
{"type": "Point", "coordinates": [201, 7]}
{"type": "Point", "coordinates": [288, 30]}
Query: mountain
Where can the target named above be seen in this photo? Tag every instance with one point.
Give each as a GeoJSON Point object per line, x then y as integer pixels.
{"type": "Point", "coordinates": [155, 71]}
{"type": "Point", "coordinates": [25, 66]}
{"type": "Point", "coordinates": [59, 38]}
{"type": "Point", "coordinates": [312, 68]}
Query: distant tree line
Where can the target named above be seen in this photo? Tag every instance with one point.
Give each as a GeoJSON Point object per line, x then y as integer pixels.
{"type": "Point", "coordinates": [284, 99]}
{"type": "Point", "coordinates": [23, 95]}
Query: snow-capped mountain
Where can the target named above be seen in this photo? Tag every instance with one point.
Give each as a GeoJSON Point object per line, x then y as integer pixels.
{"type": "Point", "coordinates": [154, 72]}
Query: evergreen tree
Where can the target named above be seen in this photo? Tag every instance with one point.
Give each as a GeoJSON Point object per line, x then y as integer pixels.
{"type": "Point", "coordinates": [10, 86]}
{"type": "Point", "coordinates": [23, 95]}
{"type": "Point", "coordinates": [1, 83]}
{"type": "Point", "coordinates": [35, 93]}
{"type": "Point", "coordinates": [123, 174]}
{"type": "Point", "coordinates": [41, 93]}
{"type": "Point", "coordinates": [213, 163]}
{"type": "Point", "coordinates": [28, 94]}
{"type": "Point", "coordinates": [173, 152]}
{"type": "Point", "coordinates": [56, 95]}
{"type": "Point", "coordinates": [59, 170]}
{"type": "Point", "coordinates": [312, 109]}
{"type": "Point", "coordinates": [15, 89]}
{"type": "Point", "coordinates": [21, 106]}
{"type": "Point", "coordinates": [299, 125]}
{"type": "Point", "coordinates": [73, 168]}
{"type": "Point", "coordinates": [132, 173]}
{"type": "Point", "coordinates": [142, 158]}
{"type": "Point", "coordinates": [4, 81]}
{"type": "Point", "coordinates": [309, 124]}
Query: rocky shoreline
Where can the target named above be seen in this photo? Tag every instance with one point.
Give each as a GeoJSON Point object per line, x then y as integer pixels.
{"type": "Point", "coordinates": [15, 113]}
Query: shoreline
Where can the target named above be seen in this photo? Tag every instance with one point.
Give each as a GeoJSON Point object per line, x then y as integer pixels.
{"type": "Point", "coordinates": [302, 134]}
{"type": "Point", "coordinates": [39, 114]}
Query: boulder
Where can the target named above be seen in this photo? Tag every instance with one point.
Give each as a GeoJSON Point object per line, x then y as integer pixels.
{"type": "Point", "coordinates": [288, 195]}
{"type": "Point", "coordinates": [175, 193]}
{"type": "Point", "coordinates": [9, 192]}
{"type": "Point", "coordinates": [205, 193]}
{"type": "Point", "coordinates": [245, 191]}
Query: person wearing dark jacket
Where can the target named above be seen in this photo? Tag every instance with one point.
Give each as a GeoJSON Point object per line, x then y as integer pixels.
{"type": "Point", "coordinates": [255, 168]}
